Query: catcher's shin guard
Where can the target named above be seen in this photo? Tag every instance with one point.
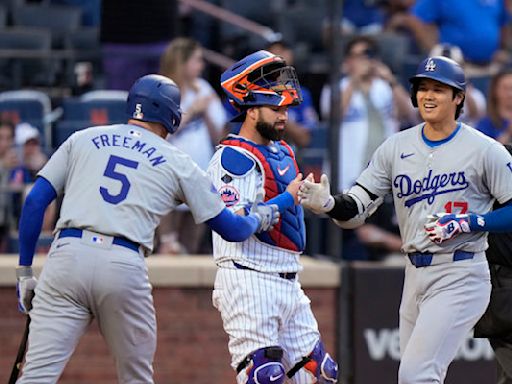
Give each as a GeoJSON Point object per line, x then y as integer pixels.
{"type": "Point", "coordinates": [319, 364]}
{"type": "Point", "coordinates": [263, 366]}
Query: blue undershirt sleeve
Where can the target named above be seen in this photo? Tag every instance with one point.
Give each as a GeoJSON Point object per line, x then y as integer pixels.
{"type": "Point", "coordinates": [283, 201]}
{"type": "Point", "coordinates": [499, 220]}
{"type": "Point", "coordinates": [233, 227]}
{"type": "Point", "coordinates": [31, 221]}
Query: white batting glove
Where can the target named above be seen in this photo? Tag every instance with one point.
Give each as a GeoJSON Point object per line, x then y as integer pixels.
{"type": "Point", "coordinates": [441, 227]}
{"type": "Point", "coordinates": [316, 196]}
{"type": "Point", "coordinates": [267, 214]}
{"type": "Point", "coordinates": [25, 286]}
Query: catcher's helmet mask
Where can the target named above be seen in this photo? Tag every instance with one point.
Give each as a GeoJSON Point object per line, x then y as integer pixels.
{"type": "Point", "coordinates": [261, 79]}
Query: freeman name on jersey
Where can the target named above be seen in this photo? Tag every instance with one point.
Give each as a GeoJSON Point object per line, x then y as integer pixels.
{"type": "Point", "coordinates": [114, 140]}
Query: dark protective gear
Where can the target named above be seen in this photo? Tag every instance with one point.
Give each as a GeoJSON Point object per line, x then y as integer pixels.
{"type": "Point", "coordinates": [320, 364]}
{"type": "Point", "coordinates": [264, 366]}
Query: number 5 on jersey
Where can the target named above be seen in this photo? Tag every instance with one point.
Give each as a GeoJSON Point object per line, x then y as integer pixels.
{"type": "Point", "coordinates": [110, 172]}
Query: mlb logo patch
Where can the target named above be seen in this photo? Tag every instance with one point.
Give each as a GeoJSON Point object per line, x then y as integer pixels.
{"type": "Point", "coordinates": [229, 195]}
{"type": "Point", "coordinates": [97, 239]}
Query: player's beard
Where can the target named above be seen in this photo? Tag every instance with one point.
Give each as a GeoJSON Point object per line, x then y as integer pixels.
{"type": "Point", "coordinates": [269, 131]}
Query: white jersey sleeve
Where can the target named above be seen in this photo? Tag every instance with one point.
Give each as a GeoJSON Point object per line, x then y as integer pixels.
{"type": "Point", "coordinates": [237, 191]}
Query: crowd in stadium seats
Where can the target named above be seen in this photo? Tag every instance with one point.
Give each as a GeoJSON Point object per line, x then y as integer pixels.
{"type": "Point", "coordinates": [73, 62]}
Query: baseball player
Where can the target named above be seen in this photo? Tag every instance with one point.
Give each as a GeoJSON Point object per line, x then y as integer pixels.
{"type": "Point", "coordinates": [438, 166]}
{"type": "Point", "coordinates": [118, 181]}
{"type": "Point", "coordinates": [273, 335]}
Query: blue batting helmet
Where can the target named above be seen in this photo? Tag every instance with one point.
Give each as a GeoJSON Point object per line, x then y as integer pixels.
{"type": "Point", "coordinates": [156, 99]}
{"type": "Point", "coordinates": [261, 78]}
{"type": "Point", "coordinates": [439, 68]}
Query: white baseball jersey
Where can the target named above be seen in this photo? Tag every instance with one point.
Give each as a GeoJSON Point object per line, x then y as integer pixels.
{"type": "Point", "coordinates": [259, 308]}
{"type": "Point", "coordinates": [465, 174]}
{"type": "Point", "coordinates": [238, 193]}
{"type": "Point", "coordinates": [126, 179]}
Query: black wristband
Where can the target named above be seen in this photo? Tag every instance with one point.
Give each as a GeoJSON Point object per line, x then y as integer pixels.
{"type": "Point", "coordinates": [344, 208]}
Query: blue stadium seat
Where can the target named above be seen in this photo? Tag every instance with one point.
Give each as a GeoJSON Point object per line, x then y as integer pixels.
{"type": "Point", "coordinates": [19, 70]}
{"type": "Point", "coordinates": [60, 20]}
{"type": "Point", "coordinates": [95, 112]}
{"type": "Point", "coordinates": [29, 106]}
{"type": "Point", "coordinates": [93, 108]}
{"type": "Point", "coordinates": [63, 129]}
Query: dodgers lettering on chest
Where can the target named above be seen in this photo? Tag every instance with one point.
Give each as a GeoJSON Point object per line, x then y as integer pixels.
{"type": "Point", "coordinates": [413, 190]}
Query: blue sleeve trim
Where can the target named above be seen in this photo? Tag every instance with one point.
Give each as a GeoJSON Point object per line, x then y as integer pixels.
{"type": "Point", "coordinates": [32, 214]}
{"type": "Point", "coordinates": [235, 162]}
{"type": "Point", "coordinates": [233, 227]}
{"type": "Point", "coordinates": [284, 200]}
{"type": "Point", "coordinates": [499, 220]}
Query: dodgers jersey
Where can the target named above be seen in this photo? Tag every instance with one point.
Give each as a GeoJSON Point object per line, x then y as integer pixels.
{"type": "Point", "coordinates": [128, 178]}
{"type": "Point", "coordinates": [464, 174]}
{"type": "Point", "coordinates": [238, 191]}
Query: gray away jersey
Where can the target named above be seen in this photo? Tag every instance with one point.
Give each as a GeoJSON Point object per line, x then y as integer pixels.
{"type": "Point", "coordinates": [120, 180]}
{"type": "Point", "coordinates": [463, 175]}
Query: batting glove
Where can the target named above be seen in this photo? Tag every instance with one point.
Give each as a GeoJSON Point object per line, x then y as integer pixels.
{"type": "Point", "coordinates": [316, 196]}
{"type": "Point", "coordinates": [444, 226]}
{"type": "Point", "coordinates": [267, 214]}
{"type": "Point", "coordinates": [25, 286]}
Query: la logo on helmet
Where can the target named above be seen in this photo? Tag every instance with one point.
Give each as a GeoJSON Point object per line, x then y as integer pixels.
{"type": "Point", "coordinates": [430, 66]}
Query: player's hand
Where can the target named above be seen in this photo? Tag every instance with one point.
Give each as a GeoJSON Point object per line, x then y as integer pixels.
{"type": "Point", "coordinates": [316, 196]}
{"type": "Point", "coordinates": [293, 187]}
{"type": "Point", "coordinates": [267, 214]}
{"type": "Point", "coordinates": [25, 286]}
{"type": "Point", "coordinates": [444, 226]}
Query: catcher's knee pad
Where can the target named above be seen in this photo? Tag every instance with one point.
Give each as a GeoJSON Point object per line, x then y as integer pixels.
{"type": "Point", "coordinates": [263, 366]}
{"type": "Point", "coordinates": [319, 364]}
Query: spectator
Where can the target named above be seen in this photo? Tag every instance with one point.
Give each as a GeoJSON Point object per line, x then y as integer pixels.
{"type": "Point", "coordinates": [475, 26]}
{"type": "Point", "coordinates": [474, 104]}
{"type": "Point", "coordinates": [32, 159]}
{"type": "Point", "coordinates": [200, 130]}
{"type": "Point", "coordinates": [498, 122]}
{"type": "Point", "coordinates": [27, 139]}
{"type": "Point", "coordinates": [8, 161]}
{"type": "Point", "coordinates": [133, 35]}
{"type": "Point", "coordinates": [303, 117]}
{"type": "Point", "coordinates": [373, 102]}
